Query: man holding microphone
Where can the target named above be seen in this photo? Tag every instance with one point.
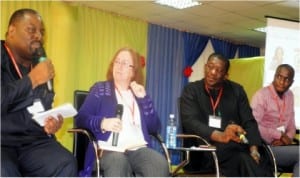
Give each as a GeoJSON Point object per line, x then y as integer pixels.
{"type": "Point", "coordinates": [28, 149]}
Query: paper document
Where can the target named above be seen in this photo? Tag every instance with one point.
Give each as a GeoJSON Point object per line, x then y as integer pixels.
{"type": "Point", "coordinates": [66, 110]}
{"type": "Point", "coordinates": [121, 148]}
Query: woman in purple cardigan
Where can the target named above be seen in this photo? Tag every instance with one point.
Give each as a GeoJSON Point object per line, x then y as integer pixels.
{"type": "Point", "coordinates": [138, 120]}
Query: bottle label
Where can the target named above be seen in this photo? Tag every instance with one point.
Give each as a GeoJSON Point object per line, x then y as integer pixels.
{"type": "Point", "coordinates": [171, 136]}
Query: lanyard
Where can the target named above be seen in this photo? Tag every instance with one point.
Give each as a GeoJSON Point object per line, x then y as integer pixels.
{"type": "Point", "coordinates": [13, 61]}
{"type": "Point", "coordinates": [131, 108]}
{"type": "Point", "coordinates": [280, 109]}
{"type": "Point", "coordinates": [214, 104]}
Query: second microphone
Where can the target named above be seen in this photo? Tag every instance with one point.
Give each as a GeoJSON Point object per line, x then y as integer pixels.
{"type": "Point", "coordinates": [119, 113]}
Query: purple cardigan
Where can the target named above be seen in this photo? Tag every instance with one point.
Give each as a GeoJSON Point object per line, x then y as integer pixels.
{"type": "Point", "coordinates": [102, 102]}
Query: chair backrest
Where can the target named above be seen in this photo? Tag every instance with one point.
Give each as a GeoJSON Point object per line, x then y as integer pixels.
{"type": "Point", "coordinates": [80, 141]}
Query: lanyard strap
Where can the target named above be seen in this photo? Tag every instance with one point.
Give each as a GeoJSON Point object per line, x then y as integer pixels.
{"type": "Point", "coordinates": [214, 104]}
{"type": "Point", "coordinates": [280, 109]}
{"type": "Point", "coordinates": [13, 61]}
{"type": "Point", "coordinates": [131, 108]}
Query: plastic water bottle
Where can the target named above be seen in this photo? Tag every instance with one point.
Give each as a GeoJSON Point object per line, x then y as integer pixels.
{"type": "Point", "coordinates": [171, 132]}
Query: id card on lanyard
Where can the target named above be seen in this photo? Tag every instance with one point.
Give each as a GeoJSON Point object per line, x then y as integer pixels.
{"type": "Point", "coordinates": [214, 121]}
{"type": "Point", "coordinates": [281, 129]}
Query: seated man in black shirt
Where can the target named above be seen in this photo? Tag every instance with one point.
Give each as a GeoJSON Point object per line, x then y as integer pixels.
{"type": "Point", "coordinates": [28, 149]}
{"type": "Point", "coordinates": [218, 110]}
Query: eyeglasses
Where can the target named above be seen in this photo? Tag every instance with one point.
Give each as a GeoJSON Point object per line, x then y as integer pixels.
{"type": "Point", "coordinates": [285, 79]}
{"type": "Point", "coordinates": [124, 64]}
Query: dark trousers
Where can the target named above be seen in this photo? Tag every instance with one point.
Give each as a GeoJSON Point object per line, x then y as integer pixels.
{"type": "Point", "coordinates": [287, 157]}
{"type": "Point", "coordinates": [235, 161]}
{"type": "Point", "coordinates": [43, 158]}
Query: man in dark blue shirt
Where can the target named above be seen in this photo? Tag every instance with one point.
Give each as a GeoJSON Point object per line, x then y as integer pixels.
{"type": "Point", "coordinates": [28, 149]}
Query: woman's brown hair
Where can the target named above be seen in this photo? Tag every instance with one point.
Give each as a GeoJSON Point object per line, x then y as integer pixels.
{"type": "Point", "coordinates": [136, 58]}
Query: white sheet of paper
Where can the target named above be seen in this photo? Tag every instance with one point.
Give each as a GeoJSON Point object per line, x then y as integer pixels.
{"type": "Point", "coordinates": [66, 110]}
{"type": "Point", "coordinates": [36, 107]}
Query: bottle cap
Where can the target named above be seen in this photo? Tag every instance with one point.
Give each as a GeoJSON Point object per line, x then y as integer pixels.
{"type": "Point", "coordinates": [172, 116]}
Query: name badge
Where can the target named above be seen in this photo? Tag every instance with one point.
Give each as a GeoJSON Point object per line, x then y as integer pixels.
{"type": "Point", "coordinates": [281, 129]}
{"type": "Point", "coordinates": [36, 107]}
{"type": "Point", "coordinates": [214, 121]}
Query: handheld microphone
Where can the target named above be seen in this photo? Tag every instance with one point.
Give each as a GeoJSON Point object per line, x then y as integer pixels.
{"type": "Point", "coordinates": [40, 52]}
{"type": "Point", "coordinates": [119, 113]}
{"type": "Point", "coordinates": [243, 138]}
{"type": "Point", "coordinates": [241, 135]}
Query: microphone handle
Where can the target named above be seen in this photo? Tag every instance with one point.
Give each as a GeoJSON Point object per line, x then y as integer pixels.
{"type": "Point", "coordinates": [49, 85]}
{"type": "Point", "coordinates": [115, 134]}
{"type": "Point", "coordinates": [115, 139]}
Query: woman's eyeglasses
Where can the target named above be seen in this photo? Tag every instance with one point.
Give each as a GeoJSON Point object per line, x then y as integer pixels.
{"type": "Point", "coordinates": [123, 63]}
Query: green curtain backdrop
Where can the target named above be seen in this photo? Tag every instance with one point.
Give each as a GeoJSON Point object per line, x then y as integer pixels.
{"type": "Point", "coordinates": [80, 41]}
{"type": "Point", "coordinates": [248, 72]}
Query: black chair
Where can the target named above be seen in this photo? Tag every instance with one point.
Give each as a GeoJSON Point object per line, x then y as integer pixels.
{"type": "Point", "coordinates": [82, 137]}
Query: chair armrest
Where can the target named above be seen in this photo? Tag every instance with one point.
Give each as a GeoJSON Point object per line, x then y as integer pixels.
{"type": "Point", "coordinates": [85, 132]}
{"type": "Point", "coordinates": [92, 139]}
{"type": "Point", "coordinates": [295, 141]}
{"type": "Point", "coordinates": [271, 156]}
{"type": "Point", "coordinates": [189, 136]}
{"type": "Point", "coordinates": [164, 148]}
{"type": "Point", "coordinates": [188, 150]}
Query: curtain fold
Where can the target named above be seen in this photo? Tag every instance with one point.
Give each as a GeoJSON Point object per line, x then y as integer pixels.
{"type": "Point", "coordinates": [164, 79]}
{"type": "Point", "coordinates": [194, 45]}
{"type": "Point", "coordinates": [248, 51]}
{"type": "Point", "coordinates": [224, 47]}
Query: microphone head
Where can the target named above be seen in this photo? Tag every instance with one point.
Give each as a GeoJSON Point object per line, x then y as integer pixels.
{"type": "Point", "coordinates": [243, 138]}
{"type": "Point", "coordinates": [39, 54]}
